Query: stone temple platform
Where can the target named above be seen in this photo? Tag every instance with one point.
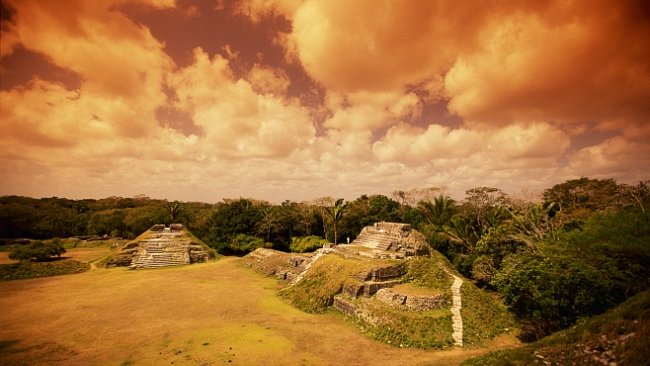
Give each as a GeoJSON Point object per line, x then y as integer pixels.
{"type": "Point", "coordinates": [161, 246]}
{"type": "Point", "coordinates": [388, 240]}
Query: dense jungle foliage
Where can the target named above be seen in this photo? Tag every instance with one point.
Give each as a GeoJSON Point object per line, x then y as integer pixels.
{"type": "Point", "coordinates": [581, 248]}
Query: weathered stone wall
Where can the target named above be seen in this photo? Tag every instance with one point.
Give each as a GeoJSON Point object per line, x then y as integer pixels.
{"type": "Point", "coordinates": [284, 266]}
{"type": "Point", "coordinates": [412, 302]}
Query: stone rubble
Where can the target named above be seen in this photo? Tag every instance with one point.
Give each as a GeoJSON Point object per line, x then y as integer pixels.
{"type": "Point", "coordinates": [603, 351]}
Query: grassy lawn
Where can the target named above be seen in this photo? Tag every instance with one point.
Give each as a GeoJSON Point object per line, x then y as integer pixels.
{"type": "Point", "coordinates": [204, 314]}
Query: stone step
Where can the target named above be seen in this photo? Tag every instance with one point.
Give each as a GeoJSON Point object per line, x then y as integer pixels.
{"type": "Point", "coordinates": [376, 241]}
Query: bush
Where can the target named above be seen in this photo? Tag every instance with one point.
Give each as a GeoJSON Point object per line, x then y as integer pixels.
{"type": "Point", "coordinates": [24, 270]}
{"type": "Point", "coordinates": [306, 243]}
{"type": "Point", "coordinates": [38, 251]}
{"type": "Point", "coordinates": [246, 243]}
{"type": "Point", "coordinates": [550, 293]}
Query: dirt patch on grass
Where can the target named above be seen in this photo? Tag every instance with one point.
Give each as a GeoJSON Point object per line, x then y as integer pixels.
{"type": "Point", "coordinates": [204, 314]}
{"type": "Point", "coordinates": [87, 255]}
{"type": "Point", "coordinates": [4, 258]}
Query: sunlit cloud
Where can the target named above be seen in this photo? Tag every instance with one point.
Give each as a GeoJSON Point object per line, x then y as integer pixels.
{"type": "Point", "coordinates": [354, 99]}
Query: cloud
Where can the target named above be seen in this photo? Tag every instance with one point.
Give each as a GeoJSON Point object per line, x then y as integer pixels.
{"type": "Point", "coordinates": [255, 10]}
{"type": "Point", "coordinates": [626, 159]}
{"type": "Point", "coordinates": [371, 111]}
{"type": "Point", "coordinates": [237, 121]}
{"type": "Point", "coordinates": [439, 144]}
{"type": "Point", "coordinates": [113, 55]}
{"type": "Point", "coordinates": [416, 146]}
{"type": "Point", "coordinates": [552, 66]}
{"type": "Point", "coordinates": [502, 63]}
{"type": "Point", "coordinates": [266, 80]}
{"type": "Point", "coordinates": [528, 80]}
{"type": "Point", "coordinates": [369, 46]}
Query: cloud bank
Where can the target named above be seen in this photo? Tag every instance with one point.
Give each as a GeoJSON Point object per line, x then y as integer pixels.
{"type": "Point", "coordinates": [402, 95]}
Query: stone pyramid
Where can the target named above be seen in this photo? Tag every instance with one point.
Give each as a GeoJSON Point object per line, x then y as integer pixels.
{"type": "Point", "coordinates": [393, 237]}
{"type": "Point", "coordinates": [161, 246]}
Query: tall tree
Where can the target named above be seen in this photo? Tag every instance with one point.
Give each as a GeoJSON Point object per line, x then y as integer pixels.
{"type": "Point", "coordinates": [440, 211]}
{"type": "Point", "coordinates": [322, 204]}
{"type": "Point", "coordinates": [336, 212]}
{"type": "Point", "coordinates": [581, 197]}
{"type": "Point", "coordinates": [486, 206]}
{"type": "Point", "coordinates": [173, 209]}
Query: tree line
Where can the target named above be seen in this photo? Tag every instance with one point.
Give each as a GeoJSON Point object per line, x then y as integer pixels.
{"type": "Point", "coordinates": [581, 248]}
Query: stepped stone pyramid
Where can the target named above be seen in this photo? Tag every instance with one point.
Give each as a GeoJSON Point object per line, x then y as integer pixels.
{"type": "Point", "coordinates": [161, 246]}
{"type": "Point", "coordinates": [392, 237]}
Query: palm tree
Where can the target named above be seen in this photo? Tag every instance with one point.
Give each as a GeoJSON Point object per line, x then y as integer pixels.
{"type": "Point", "coordinates": [440, 211]}
{"type": "Point", "coordinates": [173, 209]}
{"type": "Point", "coordinates": [336, 212]}
{"type": "Point", "coordinates": [463, 231]}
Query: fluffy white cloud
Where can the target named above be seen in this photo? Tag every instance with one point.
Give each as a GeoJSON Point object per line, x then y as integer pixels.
{"type": "Point", "coordinates": [238, 122]}
{"type": "Point", "coordinates": [618, 156]}
{"type": "Point", "coordinates": [383, 66]}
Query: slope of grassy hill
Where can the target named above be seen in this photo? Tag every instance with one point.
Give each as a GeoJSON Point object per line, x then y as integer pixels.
{"type": "Point", "coordinates": [330, 279]}
{"type": "Point", "coordinates": [618, 337]}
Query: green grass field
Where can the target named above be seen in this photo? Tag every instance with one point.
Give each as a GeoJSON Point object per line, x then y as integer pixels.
{"type": "Point", "coordinates": [204, 314]}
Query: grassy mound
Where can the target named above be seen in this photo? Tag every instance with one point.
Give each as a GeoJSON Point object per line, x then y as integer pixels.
{"type": "Point", "coordinates": [620, 335]}
{"type": "Point", "coordinates": [24, 270]}
{"type": "Point", "coordinates": [326, 278]}
{"type": "Point", "coordinates": [484, 316]}
{"type": "Point", "coordinates": [403, 328]}
{"type": "Point", "coordinates": [428, 272]}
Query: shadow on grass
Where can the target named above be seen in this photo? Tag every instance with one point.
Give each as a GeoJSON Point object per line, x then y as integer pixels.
{"type": "Point", "coordinates": [5, 346]}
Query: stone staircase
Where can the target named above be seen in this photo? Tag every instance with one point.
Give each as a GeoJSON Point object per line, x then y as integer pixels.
{"type": "Point", "coordinates": [156, 253]}
{"type": "Point", "coordinates": [161, 246]}
{"type": "Point", "coordinates": [375, 240]}
{"type": "Point", "coordinates": [319, 253]}
{"type": "Point", "coordinates": [382, 236]}
{"type": "Point", "coordinates": [456, 307]}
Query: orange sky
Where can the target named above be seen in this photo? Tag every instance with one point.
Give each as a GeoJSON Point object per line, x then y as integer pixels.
{"type": "Point", "coordinates": [283, 99]}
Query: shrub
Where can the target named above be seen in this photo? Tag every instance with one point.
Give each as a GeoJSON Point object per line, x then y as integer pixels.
{"type": "Point", "coordinates": [38, 251]}
{"type": "Point", "coordinates": [550, 293]}
{"type": "Point", "coordinates": [306, 243]}
{"type": "Point", "coordinates": [247, 243]}
{"type": "Point", "coordinates": [24, 270]}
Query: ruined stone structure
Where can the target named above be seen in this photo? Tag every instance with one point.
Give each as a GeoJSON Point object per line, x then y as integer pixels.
{"type": "Point", "coordinates": [161, 246]}
{"type": "Point", "coordinates": [284, 266]}
{"type": "Point", "coordinates": [390, 240]}
{"type": "Point", "coordinates": [381, 283]}
{"type": "Point", "coordinates": [395, 297]}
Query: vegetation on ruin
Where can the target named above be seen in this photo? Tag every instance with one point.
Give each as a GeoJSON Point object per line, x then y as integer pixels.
{"type": "Point", "coordinates": [302, 244]}
{"type": "Point", "coordinates": [428, 272]}
{"type": "Point", "coordinates": [404, 328]}
{"type": "Point", "coordinates": [484, 315]}
{"type": "Point", "coordinates": [326, 279]}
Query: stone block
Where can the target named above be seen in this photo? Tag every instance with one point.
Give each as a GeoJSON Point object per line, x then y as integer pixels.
{"type": "Point", "coordinates": [390, 297]}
